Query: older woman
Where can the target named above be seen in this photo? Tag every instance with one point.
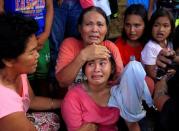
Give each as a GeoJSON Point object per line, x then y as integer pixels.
{"type": "Point", "coordinates": [93, 27]}
{"type": "Point", "coordinates": [18, 56]}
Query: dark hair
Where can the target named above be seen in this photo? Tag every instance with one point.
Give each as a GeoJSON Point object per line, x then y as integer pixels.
{"type": "Point", "coordinates": [162, 12]}
{"type": "Point", "coordinates": [112, 77]}
{"type": "Point", "coordinates": [137, 9]}
{"type": "Point", "coordinates": [96, 9]}
{"type": "Point", "coordinates": [176, 38]}
{"type": "Point", "coordinates": [15, 31]}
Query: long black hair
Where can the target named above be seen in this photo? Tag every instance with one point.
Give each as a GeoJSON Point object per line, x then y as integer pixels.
{"type": "Point", "coordinates": [162, 12]}
{"type": "Point", "coordinates": [137, 9]}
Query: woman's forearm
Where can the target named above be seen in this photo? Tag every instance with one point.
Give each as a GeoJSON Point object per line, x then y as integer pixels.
{"type": "Point", "coordinates": [67, 75]}
{"type": "Point", "coordinates": [44, 103]}
{"type": "Point", "coordinates": [160, 94]}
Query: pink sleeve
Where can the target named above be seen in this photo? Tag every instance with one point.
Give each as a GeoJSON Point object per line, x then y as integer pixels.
{"type": "Point", "coordinates": [9, 102]}
{"type": "Point", "coordinates": [71, 110]}
{"type": "Point", "coordinates": [86, 3]}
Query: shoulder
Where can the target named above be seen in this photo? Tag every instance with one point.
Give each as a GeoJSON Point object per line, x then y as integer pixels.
{"type": "Point", "coordinates": [152, 46]}
{"type": "Point", "coordinates": [119, 40]}
{"type": "Point", "coordinates": [71, 40]}
{"type": "Point", "coordinates": [9, 101]}
{"type": "Point", "coordinates": [71, 43]}
{"type": "Point", "coordinates": [73, 99]}
{"type": "Point", "coordinates": [110, 45]}
{"type": "Point", "coordinates": [112, 48]}
{"type": "Point", "coordinates": [108, 42]}
{"type": "Point", "coordinates": [151, 43]}
{"type": "Point", "coordinates": [74, 91]}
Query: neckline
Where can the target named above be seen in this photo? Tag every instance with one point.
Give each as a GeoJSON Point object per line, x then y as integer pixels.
{"type": "Point", "coordinates": [85, 90]}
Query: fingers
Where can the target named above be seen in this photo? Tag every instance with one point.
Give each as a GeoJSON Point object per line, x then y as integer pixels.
{"type": "Point", "coordinates": [89, 127]}
{"type": "Point", "coordinates": [100, 48]}
{"type": "Point", "coordinates": [101, 52]}
{"type": "Point", "coordinates": [40, 45]}
{"type": "Point", "coordinates": [170, 73]}
{"type": "Point", "coordinates": [162, 61]}
{"type": "Point", "coordinates": [162, 58]}
{"type": "Point", "coordinates": [96, 51]}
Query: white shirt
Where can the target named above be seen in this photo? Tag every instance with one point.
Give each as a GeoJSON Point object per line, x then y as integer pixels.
{"type": "Point", "coordinates": [150, 52]}
{"type": "Point", "coordinates": [103, 4]}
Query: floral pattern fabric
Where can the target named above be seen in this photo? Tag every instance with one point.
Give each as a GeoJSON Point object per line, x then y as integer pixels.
{"type": "Point", "coordinates": [44, 121]}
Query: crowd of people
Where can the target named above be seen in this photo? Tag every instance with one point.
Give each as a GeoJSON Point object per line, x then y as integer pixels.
{"type": "Point", "coordinates": [45, 43]}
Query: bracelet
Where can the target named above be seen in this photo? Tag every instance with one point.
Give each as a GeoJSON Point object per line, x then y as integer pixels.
{"type": "Point", "coordinates": [51, 103]}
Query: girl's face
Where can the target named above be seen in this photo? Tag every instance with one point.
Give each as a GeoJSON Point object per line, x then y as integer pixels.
{"type": "Point", "coordinates": [161, 29]}
{"type": "Point", "coordinates": [98, 71]}
{"type": "Point", "coordinates": [134, 27]}
{"type": "Point", "coordinates": [27, 62]}
{"type": "Point", "coordinates": [93, 28]}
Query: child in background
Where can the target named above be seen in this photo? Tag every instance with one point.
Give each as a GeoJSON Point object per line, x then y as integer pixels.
{"type": "Point", "coordinates": [134, 33]}
{"type": "Point", "coordinates": [132, 41]}
{"type": "Point", "coordinates": [161, 27]}
{"type": "Point", "coordinates": [42, 12]}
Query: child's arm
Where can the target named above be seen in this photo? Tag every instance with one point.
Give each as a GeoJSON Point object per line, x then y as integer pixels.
{"type": "Point", "coordinates": [160, 92]}
{"type": "Point", "coordinates": [1, 6]}
{"type": "Point", "coordinates": [48, 23]}
{"type": "Point", "coordinates": [49, 16]}
{"type": "Point", "coordinates": [151, 71]}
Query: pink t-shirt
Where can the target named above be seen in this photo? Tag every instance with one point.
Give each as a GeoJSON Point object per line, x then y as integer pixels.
{"type": "Point", "coordinates": [11, 102]}
{"type": "Point", "coordinates": [79, 108]}
{"type": "Point", "coordinates": [71, 47]}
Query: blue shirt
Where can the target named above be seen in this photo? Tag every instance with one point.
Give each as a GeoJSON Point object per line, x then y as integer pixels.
{"type": "Point", "coordinates": [30, 8]}
{"type": "Point", "coordinates": [143, 2]}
